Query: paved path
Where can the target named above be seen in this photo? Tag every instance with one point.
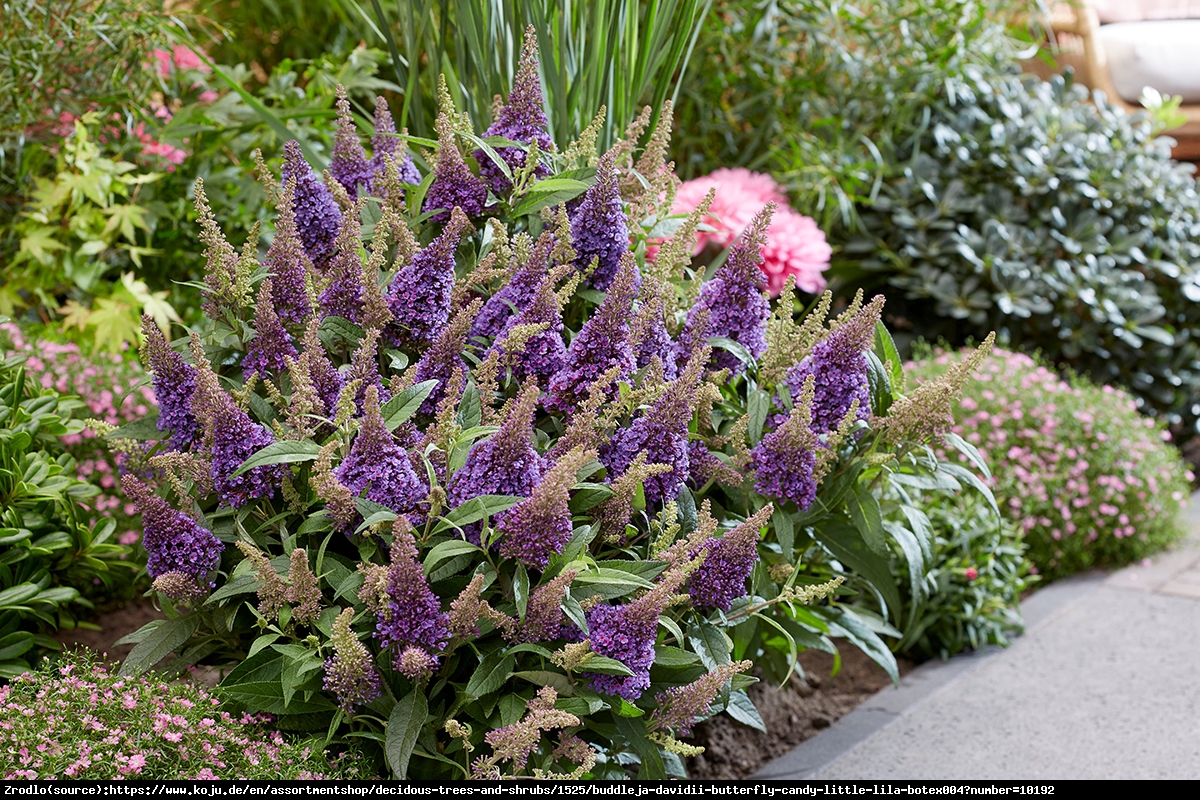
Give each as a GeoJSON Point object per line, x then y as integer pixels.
{"type": "Point", "coordinates": [1105, 683]}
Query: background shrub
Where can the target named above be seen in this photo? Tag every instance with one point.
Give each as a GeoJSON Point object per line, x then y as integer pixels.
{"type": "Point", "coordinates": [1091, 482]}
{"type": "Point", "coordinates": [974, 587]}
{"type": "Point", "coordinates": [48, 549]}
{"type": "Point", "coordinates": [72, 718]}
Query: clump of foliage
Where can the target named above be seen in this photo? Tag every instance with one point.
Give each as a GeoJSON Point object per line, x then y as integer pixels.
{"type": "Point", "coordinates": [72, 718]}
{"type": "Point", "coordinates": [48, 549]}
{"type": "Point", "coordinates": [975, 585]}
{"type": "Point", "coordinates": [980, 197]}
{"type": "Point", "coordinates": [512, 499]}
{"type": "Point", "coordinates": [1090, 481]}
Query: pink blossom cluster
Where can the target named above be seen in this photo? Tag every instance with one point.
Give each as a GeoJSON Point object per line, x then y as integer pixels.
{"type": "Point", "coordinates": [795, 246]}
{"type": "Point", "coordinates": [114, 389]}
{"type": "Point", "coordinates": [81, 721]}
{"type": "Point", "coordinates": [1089, 479]}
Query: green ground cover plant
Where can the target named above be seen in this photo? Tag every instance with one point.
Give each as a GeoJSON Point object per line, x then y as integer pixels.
{"type": "Point", "coordinates": [1091, 482]}
{"type": "Point", "coordinates": [74, 718]}
{"type": "Point", "coordinates": [460, 474]}
{"type": "Point", "coordinates": [49, 551]}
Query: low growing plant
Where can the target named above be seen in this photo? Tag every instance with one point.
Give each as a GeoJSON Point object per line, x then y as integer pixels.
{"type": "Point", "coordinates": [974, 588]}
{"type": "Point", "coordinates": [1089, 480]}
{"type": "Point", "coordinates": [72, 718]}
{"type": "Point", "coordinates": [48, 550]}
{"type": "Point", "coordinates": [456, 473]}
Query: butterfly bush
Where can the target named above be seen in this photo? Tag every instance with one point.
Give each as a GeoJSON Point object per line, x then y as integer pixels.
{"type": "Point", "coordinates": [75, 718]}
{"type": "Point", "coordinates": [505, 497]}
{"type": "Point", "coordinates": [1090, 480]}
{"type": "Point", "coordinates": [795, 247]}
{"type": "Point", "coordinates": [116, 391]}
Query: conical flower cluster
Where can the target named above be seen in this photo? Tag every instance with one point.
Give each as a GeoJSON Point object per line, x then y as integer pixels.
{"type": "Point", "coordinates": [521, 119]}
{"type": "Point", "coordinates": [378, 466]}
{"type": "Point", "coordinates": [174, 384]}
{"type": "Point", "coordinates": [272, 345]}
{"type": "Point", "coordinates": [318, 218]}
{"type": "Point", "coordinates": [454, 185]}
{"type": "Point", "coordinates": [598, 229]}
{"type": "Point", "coordinates": [174, 541]}
{"type": "Point", "coordinates": [419, 295]}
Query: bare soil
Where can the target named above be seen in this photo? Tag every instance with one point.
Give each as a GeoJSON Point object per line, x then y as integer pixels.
{"type": "Point", "coordinates": [798, 711]}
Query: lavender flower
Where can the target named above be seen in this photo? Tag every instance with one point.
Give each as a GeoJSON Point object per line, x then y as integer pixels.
{"type": "Point", "coordinates": [838, 367]}
{"type": "Point", "coordinates": [343, 297]}
{"type": "Point", "coordinates": [350, 672]}
{"type": "Point", "coordinates": [174, 541]}
{"type": "Point", "coordinates": [516, 295]}
{"type": "Point", "coordinates": [378, 465]}
{"type": "Point", "coordinates": [540, 527]}
{"type": "Point", "coordinates": [543, 354]}
{"type": "Point", "coordinates": [648, 334]}
{"type": "Point", "coordinates": [288, 263]}
{"type": "Point", "coordinates": [627, 633]}
{"type": "Point", "coordinates": [269, 350]}
{"type": "Point", "coordinates": [504, 463]}
{"type": "Point", "coordinates": [454, 185]}
{"type": "Point", "coordinates": [785, 461]}
{"type": "Point", "coordinates": [408, 616]}
{"type": "Point", "coordinates": [602, 343]}
{"type": "Point", "coordinates": [521, 119]}
{"type": "Point", "coordinates": [444, 362]}
{"type": "Point", "coordinates": [721, 577]}
{"type": "Point", "coordinates": [734, 300]}
{"type": "Point", "coordinates": [419, 296]}
{"type": "Point", "coordinates": [231, 437]}
{"type": "Point", "coordinates": [386, 143]}
{"type": "Point", "coordinates": [318, 218]}
{"type": "Point", "coordinates": [174, 384]}
{"type": "Point", "coordinates": [680, 707]}
{"type": "Point", "coordinates": [598, 227]}
{"type": "Point", "coordinates": [349, 165]}
{"type": "Point", "coordinates": [662, 432]}
{"type": "Point", "coordinates": [544, 617]}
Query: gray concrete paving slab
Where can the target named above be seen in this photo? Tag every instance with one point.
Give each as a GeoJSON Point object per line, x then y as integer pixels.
{"type": "Point", "coordinates": [1104, 684]}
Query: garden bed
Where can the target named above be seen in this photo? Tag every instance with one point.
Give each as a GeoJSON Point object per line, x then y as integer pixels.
{"type": "Point", "coordinates": [792, 714]}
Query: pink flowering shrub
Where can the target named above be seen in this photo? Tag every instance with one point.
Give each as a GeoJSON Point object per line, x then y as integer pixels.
{"type": "Point", "coordinates": [75, 719]}
{"type": "Point", "coordinates": [1090, 480]}
{"type": "Point", "coordinates": [795, 246]}
{"type": "Point", "coordinates": [114, 391]}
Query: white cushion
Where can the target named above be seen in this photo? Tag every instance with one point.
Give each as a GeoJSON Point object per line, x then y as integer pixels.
{"type": "Point", "coordinates": [1163, 54]}
{"type": "Point", "coordinates": [1130, 10]}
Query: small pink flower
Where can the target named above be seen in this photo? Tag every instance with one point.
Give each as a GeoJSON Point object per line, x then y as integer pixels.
{"type": "Point", "coordinates": [971, 573]}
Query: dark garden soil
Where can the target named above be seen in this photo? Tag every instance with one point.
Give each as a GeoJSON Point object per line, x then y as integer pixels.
{"type": "Point", "coordinates": [799, 711]}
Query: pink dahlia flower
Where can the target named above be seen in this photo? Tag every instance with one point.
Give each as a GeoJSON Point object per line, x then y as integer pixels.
{"type": "Point", "coordinates": [795, 245]}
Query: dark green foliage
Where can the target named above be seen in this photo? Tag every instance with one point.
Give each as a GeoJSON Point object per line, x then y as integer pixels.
{"type": "Point", "coordinates": [47, 552]}
{"type": "Point", "coordinates": [974, 588]}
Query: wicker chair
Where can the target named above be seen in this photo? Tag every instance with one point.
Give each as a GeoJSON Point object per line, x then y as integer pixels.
{"type": "Point", "coordinates": [1076, 43]}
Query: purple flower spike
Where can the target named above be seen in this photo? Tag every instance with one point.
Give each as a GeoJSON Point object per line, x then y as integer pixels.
{"type": "Point", "coordinates": [627, 633]}
{"type": "Point", "coordinates": [522, 119]}
{"type": "Point", "coordinates": [598, 227]}
{"type": "Point", "coordinates": [378, 465]}
{"type": "Point", "coordinates": [540, 527]}
{"type": "Point", "coordinates": [349, 165]}
{"type": "Point", "coordinates": [343, 297]}
{"type": "Point", "coordinates": [543, 354]}
{"type": "Point", "coordinates": [602, 343]}
{"type": "Point", "coordinates": [385, 143]}
{"type": "Point", "coordinates": [785, 461]}
{"type": "Point", "coordinates": [444, 359]}
{"type": "Point", "coordinates": [288, 263]}
{"type": "Point", "coordinates": [318, 218]}
{"type": "Point", "coordinates": [410, 614]}
{"type": "Point", "coordinates": [516, 295]}
{"type": "Point", "coordinates": [174, 384]}
{"type": "Point", "coordinates": [504, 463]}
{"type": "Point", "coordinates": [269, 350]}
{"type": "Point", "coordinates": [662, 431]}
{"type": "Point", "coordinates": [174, 541]}
{"type": "Point", "coordinates": [325, 378]}
{"type": "Point", "coordinates": [734, 300]}
{"type": "Point", "coordinates": [838, 366]}
{"type": "Point", "coordinates": [419, 295]}
{"type": "Point", "coordinates": [454, 185]}
{"type": "Point", "coordinates": [721, 577]}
